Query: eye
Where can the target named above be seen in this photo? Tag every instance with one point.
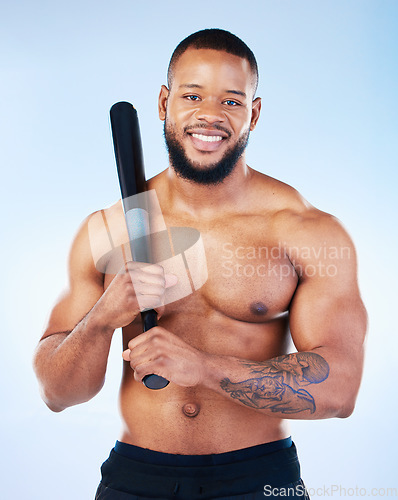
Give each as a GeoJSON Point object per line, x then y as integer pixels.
{"type": "Point", "coordinates": [230, 102]}
{"type": "Point", "coordinates": [192, 97]}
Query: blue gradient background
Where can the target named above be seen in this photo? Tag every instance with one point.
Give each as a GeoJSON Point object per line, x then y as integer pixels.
{"type": "Point", "coordinates": [328, 127]}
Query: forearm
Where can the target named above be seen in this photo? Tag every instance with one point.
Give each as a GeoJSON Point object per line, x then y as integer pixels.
{"type": "Point", "coordinates": [304, 385]}
{"type": "Point", "coordinates": [71, 366]}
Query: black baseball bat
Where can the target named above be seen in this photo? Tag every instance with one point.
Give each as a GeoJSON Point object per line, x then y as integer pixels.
{"type": "Point", "coordinates": [130, 168]}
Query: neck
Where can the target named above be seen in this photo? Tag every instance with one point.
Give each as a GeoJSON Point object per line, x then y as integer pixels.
{"type": "Point", "coordinates": [199, 200]}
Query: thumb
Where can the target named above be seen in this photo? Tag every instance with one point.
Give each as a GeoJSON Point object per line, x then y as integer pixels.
{"type": "Point", "coordinates": [126, 355]}
{"type": "Point", "coordinates": [171, 280]}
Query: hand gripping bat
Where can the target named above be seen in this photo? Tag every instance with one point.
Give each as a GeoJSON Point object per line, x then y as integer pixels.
{"type": "Point", "coordinates": [130, 167]}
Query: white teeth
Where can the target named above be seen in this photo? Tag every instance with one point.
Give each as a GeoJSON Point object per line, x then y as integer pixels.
{"type": "Point", "coordinates": [208, 138]}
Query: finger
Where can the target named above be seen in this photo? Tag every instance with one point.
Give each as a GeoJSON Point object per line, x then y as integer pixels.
{"type": "Point", "coordinates": [155, 269]}
{"type": "Point", "coordinates": [148, 289]}
{"type": "Point", "coordinates": [137, 359]}
{"type": "Point", "coordinates": [171, 280]}
{"type": "Point", "coordinates": [126, 355]}
{"type": "Point", "coordinates": [130, 265]}
{"type": "Point", "coordinates": [146, 367]}
{"type": "Point", "coordinates": [141, 276]}
{"type": "Point", "coordinates": [149, 301]}
{"type": "Point", "coordinates": [140, 361]}
{"type": "Point", "coordinates": [140, 340]}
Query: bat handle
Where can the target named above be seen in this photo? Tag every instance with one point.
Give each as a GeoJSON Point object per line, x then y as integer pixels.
{"type": "Point", "coordinates": [149, 320]}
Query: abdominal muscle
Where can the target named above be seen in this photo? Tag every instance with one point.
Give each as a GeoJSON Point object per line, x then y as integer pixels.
{"type": "Point", "coordinates": [198, 421]}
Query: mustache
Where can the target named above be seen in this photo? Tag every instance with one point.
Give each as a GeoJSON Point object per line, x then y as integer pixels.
{"type": "Point", "coordinates": [206, 126]}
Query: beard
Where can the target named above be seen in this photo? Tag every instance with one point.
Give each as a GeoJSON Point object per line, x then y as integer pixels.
{"type": "Point", "coordinates": [211, 174]}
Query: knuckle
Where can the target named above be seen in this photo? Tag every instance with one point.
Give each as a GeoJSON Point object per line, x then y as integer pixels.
{"type": "Point", "coordinates": [156, 332]}
{"type": "Point", "coordinates": [161, 361]}
{"type": "Point", "coordinates": [156, 271]}
{"type": "Point", "coordinates": [158, 268]}
{"type": "Point", "coordinates": [162, 283]}
{"type": "Point", "coordinates": [155, 339]}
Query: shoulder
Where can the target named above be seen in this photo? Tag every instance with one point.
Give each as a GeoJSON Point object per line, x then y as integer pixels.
{"type": "Point", "coordinates": [274, 196]}
{"type": "Point", "coordinates": [307, 235]}
{"type": "Point", "coordinates": [96, 226]}
{"type": "Point", "coordinates": [98, 234]}
{"type": "Point", "coordinates": [293, 216]}
{"type": "Point", "coordinates": [305, 225]}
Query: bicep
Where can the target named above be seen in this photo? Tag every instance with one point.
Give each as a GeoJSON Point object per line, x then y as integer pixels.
{"type": "Point", "coordinates": [323, 316]}
{"type": "Point", "coordinates": [327, 310]}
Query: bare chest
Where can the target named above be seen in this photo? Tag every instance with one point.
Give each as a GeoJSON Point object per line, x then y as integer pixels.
{"type": "Point", "coordinates": [238, 272]}
{"type": "Point", "coordinates": [235, 268]}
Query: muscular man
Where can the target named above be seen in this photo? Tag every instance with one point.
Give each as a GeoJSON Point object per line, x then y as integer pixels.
{"type": "Point", "coordinates": [277, 267]}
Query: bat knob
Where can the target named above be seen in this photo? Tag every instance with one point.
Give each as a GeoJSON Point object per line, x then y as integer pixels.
{"type": "Point", "coordinates": [155, 382]}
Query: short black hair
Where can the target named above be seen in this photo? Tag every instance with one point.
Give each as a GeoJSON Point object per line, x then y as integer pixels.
{"type": "Point", "coordinates": [216, 39]}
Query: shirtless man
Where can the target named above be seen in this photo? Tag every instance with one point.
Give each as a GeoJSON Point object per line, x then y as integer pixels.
{"type": "Point", "coordinates": [277, 269]}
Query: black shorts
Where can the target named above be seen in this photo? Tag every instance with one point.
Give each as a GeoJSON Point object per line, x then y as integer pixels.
{"type": "Point", "coordinates": [265, 471]}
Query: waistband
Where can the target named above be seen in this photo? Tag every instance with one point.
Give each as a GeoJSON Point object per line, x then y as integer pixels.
{"type": "Point", "coordinates": [158, 458]}
{"type": "Point", "coordinates": [201, 477]}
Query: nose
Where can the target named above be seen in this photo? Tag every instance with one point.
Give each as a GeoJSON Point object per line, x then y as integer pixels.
{"type": "Point", "coordinates": [210, 111]}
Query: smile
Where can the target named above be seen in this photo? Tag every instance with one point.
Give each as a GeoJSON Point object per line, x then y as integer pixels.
{"type": "Point", "coordinates": [208, 138]}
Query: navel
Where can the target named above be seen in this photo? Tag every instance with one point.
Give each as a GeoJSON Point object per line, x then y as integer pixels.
{"type": "Point", "coordinates": [258, 308]}
{"type": "Point", "coordinates": [190, 409]}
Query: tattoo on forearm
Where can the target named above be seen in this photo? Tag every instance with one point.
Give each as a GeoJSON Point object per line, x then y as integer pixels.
{"type": "Point", "coordinates": [271, 385]}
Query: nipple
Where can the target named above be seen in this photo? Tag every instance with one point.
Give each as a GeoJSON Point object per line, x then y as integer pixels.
{"type": "Point", "coordinates": [259, 309]}
{"type": "Point", "coordinates": [190, 409]}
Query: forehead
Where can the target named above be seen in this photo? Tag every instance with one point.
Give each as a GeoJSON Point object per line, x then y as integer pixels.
{"type": "Point", "coordinates": [207, 67]}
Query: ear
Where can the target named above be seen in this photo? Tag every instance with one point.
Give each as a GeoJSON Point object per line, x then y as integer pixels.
{"type": "Point", "coordinates": [256, 108]}
{"type": "Point", "coordinates": [162, 104]}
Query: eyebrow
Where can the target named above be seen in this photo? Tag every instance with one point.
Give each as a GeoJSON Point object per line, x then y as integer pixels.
{"type": "Point", "coordinates": [197, 86]}
{"type": "Point", "coordinates": [191, 86]}
{"type": "Point", "coordinates": [237, 92]}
